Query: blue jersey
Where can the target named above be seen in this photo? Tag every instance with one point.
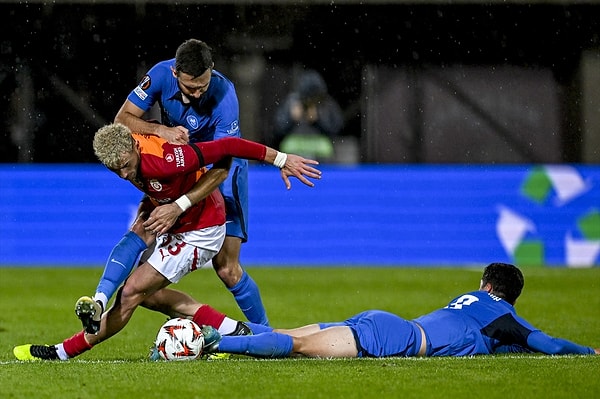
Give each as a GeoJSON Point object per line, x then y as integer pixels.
{"type": "Point", "coordinates": [215, 115]}
{"type": "Point", "coordinates": [476, 323]}
{"type": "Point", "coordinates": [482, 323]}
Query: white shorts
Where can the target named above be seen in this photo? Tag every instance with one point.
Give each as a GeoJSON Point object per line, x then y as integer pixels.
{"type": "Point", "coordinates": [176, 255]}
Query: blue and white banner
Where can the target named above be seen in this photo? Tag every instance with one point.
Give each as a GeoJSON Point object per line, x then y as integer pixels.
{"type": "Point", "coordinates": [393, 215]}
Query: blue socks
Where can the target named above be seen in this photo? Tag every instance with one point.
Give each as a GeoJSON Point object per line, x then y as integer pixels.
{"type": "Point", "coordinates": [119, 264]}
{"type": "Point", "coordinates": [268, 345]}
{"type": "Point", "coordinates": [248, 298]}
{"type": "Point", "coordinates": [258, 328]}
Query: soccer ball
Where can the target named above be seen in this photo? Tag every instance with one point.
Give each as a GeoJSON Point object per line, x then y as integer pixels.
{"type": "Point", "coordinates": [179, 339]}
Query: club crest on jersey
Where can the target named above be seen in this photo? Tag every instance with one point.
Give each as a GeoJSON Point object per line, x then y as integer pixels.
{"type": "Point", "coordinates": [234, 128]}
{"type": "Point", "coordinates": [155, 184]}
{"type": "Point", "coordinates": [192, 121]}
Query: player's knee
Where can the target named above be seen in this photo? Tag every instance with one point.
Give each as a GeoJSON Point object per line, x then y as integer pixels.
{"type": "Point", "coordinates": [138, 227]}
{"type": "Point", "coordinates": [224, 261]}
{"type": "Point", "coordinates": [147, 236]}
{"type": "Point", "coordinates": [299, 346]}
{"type": "Point", "coordinates": [229, 273]}
{"type": "Point", "coordinates": [130, 297]}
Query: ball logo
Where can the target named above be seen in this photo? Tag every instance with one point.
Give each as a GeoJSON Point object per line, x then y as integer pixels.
{"type": "Point", "coordinates": [169, 157]}
{"type": "Point", "coordinates": [155, 184]}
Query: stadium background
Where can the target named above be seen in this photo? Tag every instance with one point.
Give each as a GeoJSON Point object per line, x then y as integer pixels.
{"type": "Point", "coordinates": [472, 130]}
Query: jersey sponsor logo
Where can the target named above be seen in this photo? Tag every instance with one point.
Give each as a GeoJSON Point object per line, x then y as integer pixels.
{"type": "Point", "coordinates": [145, 82]}
{"type": "Point", "coordinates": [169, 157]}
{"type": "Point", "coordinates": [143, 85]}
{"type": "Point", "coordinates": [140, 93]}
{"type": "Point", "coordinates": [155, 184]}
{"type": "Point", "coordinates": [192, 121]}
{"type": "Point", "coordinates": [234, 128]}
{"type": "Point", "coordinates": [179, 159]}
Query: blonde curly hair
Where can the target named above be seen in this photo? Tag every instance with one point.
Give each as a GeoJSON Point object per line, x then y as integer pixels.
{"type": "Point", "coordinates": [111, 142]}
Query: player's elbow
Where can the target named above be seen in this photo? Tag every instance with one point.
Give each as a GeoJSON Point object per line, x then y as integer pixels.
{"type": "Point", "coordinates": [555, 348]}
{"type": "Point", "coordinates": [223, 166]}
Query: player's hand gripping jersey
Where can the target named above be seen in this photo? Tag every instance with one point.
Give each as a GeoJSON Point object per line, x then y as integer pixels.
{"type": "Point", "coordinates": [482, 323]}
{"type": "Point", "coordinates": [214, 115]}
{"type": "Point", "coordinates": [168, 170]}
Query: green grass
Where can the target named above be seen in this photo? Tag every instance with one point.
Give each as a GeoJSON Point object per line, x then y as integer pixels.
{"type": "Point", "coordinates": [37, 307]}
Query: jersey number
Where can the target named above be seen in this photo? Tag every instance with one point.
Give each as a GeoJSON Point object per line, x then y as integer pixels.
{"type": "Point", "coordinates": [464, 300]}
{"type": "Point", "coordinates": [171, 248]}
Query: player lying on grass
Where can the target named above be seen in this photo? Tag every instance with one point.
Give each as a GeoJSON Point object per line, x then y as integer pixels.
{"type": "Point", "coordinates": [164, 172]}
{"type": "Point", "coordinates": [476, 323]}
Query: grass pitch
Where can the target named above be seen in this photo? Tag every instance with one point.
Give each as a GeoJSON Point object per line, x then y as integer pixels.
{"type": "Point", "coordinates": [37, 307]}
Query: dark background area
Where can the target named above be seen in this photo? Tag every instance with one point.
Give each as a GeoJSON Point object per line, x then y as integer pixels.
{"type": "Point", "coordinates": [82, 60]}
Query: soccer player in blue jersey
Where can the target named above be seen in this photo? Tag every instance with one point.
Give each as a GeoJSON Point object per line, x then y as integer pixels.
{"type": "Point", "coordinates": [197, 104]}
{"type": "Point", "coordinates": [481, 322]}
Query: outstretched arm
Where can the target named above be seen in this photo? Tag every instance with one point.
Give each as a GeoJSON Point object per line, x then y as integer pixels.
{"type": "Point", "coordinates": [541, 342]}
{"type": "Point", "coordinates": [290, 164]}
{"type": "Point", "coordinates": [219, 153]}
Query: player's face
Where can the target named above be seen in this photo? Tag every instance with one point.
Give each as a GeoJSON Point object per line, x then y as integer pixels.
{"type": "Point", "coordinates": [129, 166]}
{"type": "Point", "coordinates": [194, 88]}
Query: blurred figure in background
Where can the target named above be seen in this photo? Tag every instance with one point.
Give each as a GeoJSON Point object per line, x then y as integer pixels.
{"type": "Point", "coordinates": [309, 119]}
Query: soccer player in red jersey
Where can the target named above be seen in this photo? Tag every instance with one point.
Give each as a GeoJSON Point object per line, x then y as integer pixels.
{"type": "Point", "coordinates": [165, 171]}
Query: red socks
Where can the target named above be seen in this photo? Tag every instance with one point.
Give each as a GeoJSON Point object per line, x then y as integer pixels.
{"type": "Point", "coordinates": [208, 316]}
{"type": "Point", "coordinates": [205, 315]}
{"type": "Point", "coordinates": [76, 345]}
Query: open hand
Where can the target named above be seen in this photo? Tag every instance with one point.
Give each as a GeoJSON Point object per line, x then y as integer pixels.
{"type": "Point", "coordinates": [300, 168]}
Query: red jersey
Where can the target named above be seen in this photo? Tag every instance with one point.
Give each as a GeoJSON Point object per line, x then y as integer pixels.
{"type": "Point", "coordinates": [167, 171]}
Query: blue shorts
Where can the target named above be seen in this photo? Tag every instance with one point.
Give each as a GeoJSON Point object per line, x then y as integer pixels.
{"type": "Point", "coordinates": [235, 193]}
{"type": "Point", "coordinates": [382, 334]}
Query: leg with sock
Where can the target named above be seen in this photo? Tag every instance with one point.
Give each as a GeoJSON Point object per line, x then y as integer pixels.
{"type": "Point", "coordinates": [73, 346]}
{"type": "Point", "coordinates": [258, 328]}
{"type": "Point", "coordinates": [209, 316]}
{"type": "Point", "coordinates": [245, 291]}
{"type": "Point", "coordinates": [267, 345]}
{"type": "Point", "coordinates": [247, 296]}
{"type": "Point", "coordinates": [120, 262]}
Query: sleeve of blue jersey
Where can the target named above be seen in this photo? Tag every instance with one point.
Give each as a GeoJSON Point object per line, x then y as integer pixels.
{"type": "Point", "coordinates": [541, 342]}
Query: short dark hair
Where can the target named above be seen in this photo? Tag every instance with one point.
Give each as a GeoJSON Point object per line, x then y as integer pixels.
{"type": "Point", "coordinates": [506, 281]}
{"type": "Point", "coordinates": [193, 57]}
